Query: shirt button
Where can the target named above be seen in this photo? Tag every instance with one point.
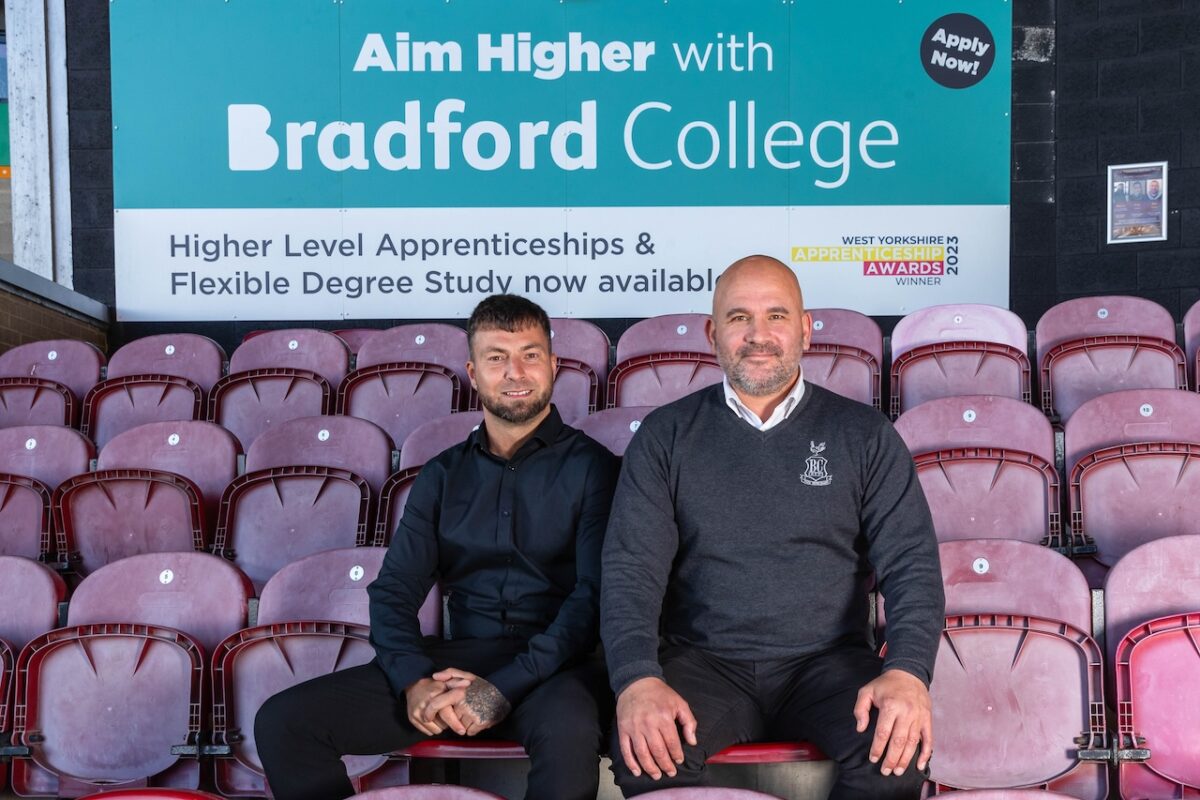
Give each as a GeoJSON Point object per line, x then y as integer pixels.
{"type": "Point", "coordinates": [504, 513]}
{"type": "Point", "coordinates": [512, 628]}
{"type": "Point", "coordinates": [508, 559]}
{"type": "Point", "coordinates": [511, 468]}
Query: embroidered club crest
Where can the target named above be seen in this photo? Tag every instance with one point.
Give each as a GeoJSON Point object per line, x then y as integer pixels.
{"type": "Point", "coordinates": [816, 474]}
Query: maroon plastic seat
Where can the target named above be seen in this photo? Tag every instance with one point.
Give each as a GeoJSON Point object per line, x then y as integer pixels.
{"type": "Point", "coordinates": [1130, 459]}
{"type": "Point", "coordinates": [1030, 685]}
{"type": "Point", "coordinates": [277, 376]}
{"type": "Point", "coordinates": [406, 376]}
{"type": "Point", "coordinates": [580, 340]}
{"type": "Point", "coordinates": [614, 427]}
{"type": "Point", "coordinates": [29, 594]}
{"type": "Point", "coordinates": [1094, 345]}
{"type": "Point", "coordinates": [154, 379]}
{"type": "Point", "coordinates": [154, 794]}
{"type": "Point", "coordinates": [845, 354]}
{"type": "Point", "coordinates": [986, 465]}
{"type": "Point", "coordinates": [582, 352]}
{"type": "Point", "coordinates": [1158, 701]}
{"type": "Point", "coordinates": [421, 445]}
{"type": "Point", "coordinates": [1009, 794]}
{"type": "Point", "coordinates": [204, 453]}
{"type": "Point", "coordinates": [662, 359]}
{"type": "Point", "coordinates": [44, 383]}
{"type": "Point", "coordinates": [959, 349]}
{"type": "Point", "coordinates": [34, 460]}
{"type": "Point", "coordinates": [428, 792]}
{"type": "Point", "coordinates": [347, 443]}
{"type": "Point", "coordinates": [1191, 342]}
{"type": "Point", "coordinates": [200, 594]}
{"type": "Point", "coordinates": [354, 337]}
{"type": "Point", "coordinates": [707, 793]}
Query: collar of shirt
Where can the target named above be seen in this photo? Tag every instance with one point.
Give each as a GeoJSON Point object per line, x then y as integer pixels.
{"type": "Point", "coordinates": [545, 434]}
{"type": "Point", "coordinates": [782, 411]}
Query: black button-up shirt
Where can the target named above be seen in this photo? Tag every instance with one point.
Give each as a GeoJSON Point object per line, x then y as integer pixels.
{"type": "Point", "coordinates": [515, 546]}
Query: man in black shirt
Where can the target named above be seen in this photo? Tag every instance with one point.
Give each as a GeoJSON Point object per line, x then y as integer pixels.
{"type": "Point", "coordinates": [510, 524]}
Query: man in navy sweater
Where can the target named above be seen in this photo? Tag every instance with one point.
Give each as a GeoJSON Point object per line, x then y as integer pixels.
{"type": "Point", "coordinates": [749, 523]}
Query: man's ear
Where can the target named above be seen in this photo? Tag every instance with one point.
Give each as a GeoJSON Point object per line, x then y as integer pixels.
{"type": "Point", "coordinates": [471, 374]}
{"type": "Point", "coordinates": [710, 332]}
{"type": "Point", "coordinates": [806, 326]}
{"type": "Point", "coordinates": [553, 365]}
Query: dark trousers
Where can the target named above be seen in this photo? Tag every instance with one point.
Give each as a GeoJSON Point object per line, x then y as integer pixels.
{"type": "Point", "coordinates": [302, 732]}
{"type": "Point", "coordinates": [810, 699]}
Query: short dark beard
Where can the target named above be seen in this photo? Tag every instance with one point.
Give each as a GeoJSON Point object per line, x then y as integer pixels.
{"type": "Point", "coordinates": [755, 387]}
{"type": "Point", "coordinates": [518, 413]}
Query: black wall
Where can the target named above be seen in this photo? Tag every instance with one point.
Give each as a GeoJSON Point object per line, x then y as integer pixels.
{"type": "Point", "coordinates": [1095, 82]}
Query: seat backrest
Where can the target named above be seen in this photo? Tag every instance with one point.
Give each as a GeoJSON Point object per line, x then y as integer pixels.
{"type": "Point", "coordinates": [841, 326]}
{"type": "Point", "coordinates": [1108, 315]}
{"type": "Point", "coordinates": [614, 427]}
{"type": "Point", "coordinates": [204, 453]}
{"type": "Point", "coordinates": [845, 354]}
{"type": "Point", "coordinates": [1154, 580]}
{"type": "Point", "coordinates": [976, 421]}
{"type": "Point", "coordinates": [354, 337]}
{"type": "Point", "coordinates": [431, 342]}
{"type": "Point", "coordinates": [431, 792]}
{"type": "Point", "coordinates": [583, 341]}
{"type": "Point", "coordinates": [1130, 416]}
{"type": "Point", "coordinates": [1191, 339]}
{"type": "Point", "coordinates": [668, 333]}
{"type": "Point", "coordinates": [72, 363]}
{"type": "Point", "coordinates": [328, 441]}
{"type": "Point", "coordinates": [324, 586]}
{"type": "Point", "coordinates": [184, 355]}
{"type": "Point", "coordinates": [436, 435]}
{"type": "Point", "coordinates": [48, 453]}
{"type": "Point", "coordinates": [29, 594]}
{"type": "Point", "coordinates": [1010, 794]}
{"type": "Point", "coordinates": [199, 594]}
{"type": "Point", "coordinates": [998, 576]}
{"type": "Point", "coordinates": [959, 322]}
{"type": "Point", "coordinates": [294, 348]}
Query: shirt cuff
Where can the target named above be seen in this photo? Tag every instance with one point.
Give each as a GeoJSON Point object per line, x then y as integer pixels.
{"type": "Point", "coordinates": [621, 677]}
{"type": "Point", "coordinates": [404, 671]}
{"type": "Point", "coordinates": [513, 681]}
{"type": "Point", "coordinates": [911, 666]}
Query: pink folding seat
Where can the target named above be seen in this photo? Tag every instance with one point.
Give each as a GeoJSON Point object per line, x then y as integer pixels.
{"type": "Point", "coordinates": [614, 427]}
{"type": "Point", "coordinates": [1152, 609]}
{"type": "Point", "coordinates": [354, 337]}
{"type": "Point", "coordinates": [1093, 345]}
{"type": "Point", "coordinates": [1191, 341]}
{"type": "Point", "coordinates": [408, 375]}
{"type": "Point", "coordinates": [44, 383]}
{"type": "Point", "coordinates": [845, 354]}
{"type": "Point", "coordinates": [157, 378]}
{"type": "Point", "coordinates": [34, 460]}
{"type": "Point", "coordinates": [707, 793]}
{"type": "Point", "coordinates": [348, 443]}
{"type": "Point", "coordinates": [277, 376]}
{"type": "Point", "coordinates": [327, 587]}
{"type": "Point", "coordinates": [1130, 458]}
{"type": "Point", "coordinates": [154, 794]}
{"type": "Point", "coordinates": [421, 445]}
{"type": "Point", "coordinates": [1009, 794]}
{"type": "Point", "coordinates": [203, 453]}
{"type": "Point", "coordinates": [117, 697]}
{"type": "Point", "coordinates": [986, 465]}
{"type": "Point", "coordinates": [582, 352]}
{"type": "Point", "coordinates": [662, 359]}
{"type": "Point", "coordinates": [963, 348]}
{"type": "Point", "coordinates": [29, 594]}
{"type": "Point", "coordinates": [428, 792]}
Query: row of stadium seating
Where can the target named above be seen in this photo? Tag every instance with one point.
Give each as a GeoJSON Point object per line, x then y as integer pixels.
{"type": "Point", "coordinates": [162, 662]}
{"type": "Point", "coordinates": [403, 376]}
{"type": "Point", "coordinates": [987, 466]}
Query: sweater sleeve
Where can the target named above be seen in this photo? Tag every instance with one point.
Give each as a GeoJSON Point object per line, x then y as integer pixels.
{"type": "Point", "coordinates": [903, 550]}
{"type": "Point", "coordinates": [639, 548]}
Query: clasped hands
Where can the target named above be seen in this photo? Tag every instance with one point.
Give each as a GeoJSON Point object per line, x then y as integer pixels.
{"type": "Point", "coordinates": [456, 699]}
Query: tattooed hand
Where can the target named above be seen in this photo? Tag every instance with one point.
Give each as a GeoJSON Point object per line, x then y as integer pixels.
{"type": "Point", "coordinates": [475, 701]}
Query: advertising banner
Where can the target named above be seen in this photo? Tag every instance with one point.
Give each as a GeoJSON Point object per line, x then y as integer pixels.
{"type": "Point", "coordinates": [359, 159]}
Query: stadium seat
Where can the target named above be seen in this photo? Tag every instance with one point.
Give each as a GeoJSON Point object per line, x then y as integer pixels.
{"type": "Point", "coordinates": [154, 794]}
{"type": "Point", "coordinates": [115, 698]}
{"type": "Point", "coordinates": [706, 793]}
{"type": "Point", "coordinates": [347, 443]}
{"type": "Point", "coordinates": [429, 792]}
{"type": "Point", "coordinates": [157, 378]}
{"type": "Point", "coordinates": [1191, 342]}
{"type": "Point", "coordinates": [845, 354]}
{"type": "Point", "coordinates": [662, 359]}
{"type": "Point", "coordinates": [582, 351]}
{"type": "Point", "coordinates": [354, 337]}
{"type": "Point", "coordinates": [986, 465]}
{"type": "Point", "coordinates": [1094, 345]}
{"type": "Point", "coordinates": [44, 383]}
{"type": "Point", "coordinates": [406, 376]}
{"type": "Point", "coordinates": [29, 594]}
{"type": "Point", "coordinates": [204, 453]}
{"type": "Point", "coordinates": [422, 444]}
{"type": "Point", "coordinates": [614, 427]}
{"type": "Point", "coordinates": [960, 349]}
{"type": "Point", "coordinates": [277, 376]}
{"type": "Point", "coordinates": [1009, 794]}
{"type": "Point", "coordinates": [34, 460]}
{"type": "Point", "coordinates": [1130, 458]}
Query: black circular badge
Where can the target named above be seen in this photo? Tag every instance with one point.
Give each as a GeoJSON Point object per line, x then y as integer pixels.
{"type": "Point", "coordinates": [958, 51]}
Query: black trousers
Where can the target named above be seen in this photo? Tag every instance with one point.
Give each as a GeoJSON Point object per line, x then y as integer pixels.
{"type": "Point", "coordinates": [810, 699]}
{"type": "Point", "coordinates": [302, 732]}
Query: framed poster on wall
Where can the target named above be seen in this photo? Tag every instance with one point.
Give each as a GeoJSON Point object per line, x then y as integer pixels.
{"type": "Point", "coordinates": [1137, 202]}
